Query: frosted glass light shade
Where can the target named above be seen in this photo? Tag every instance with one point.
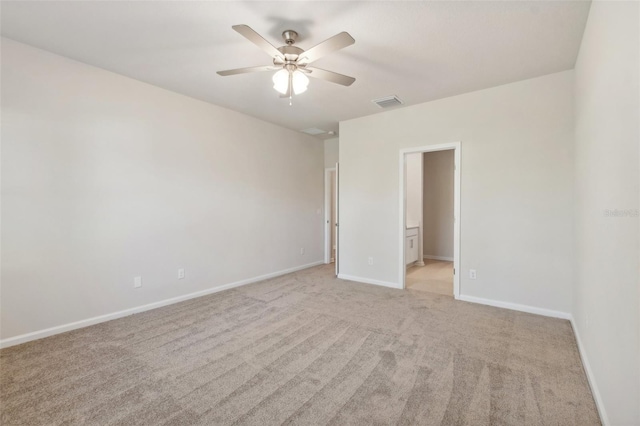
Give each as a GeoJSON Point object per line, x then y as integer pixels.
{"type": "Point", "coordinates": [300, 82]}
{"type": "Point", "coordinates": [281, 81]}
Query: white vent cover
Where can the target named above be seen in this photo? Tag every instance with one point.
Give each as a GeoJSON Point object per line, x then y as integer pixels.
{"type": "Point", "coordinates": [388, 102]}
{"type": "Point", "coordinates": [313, 131]}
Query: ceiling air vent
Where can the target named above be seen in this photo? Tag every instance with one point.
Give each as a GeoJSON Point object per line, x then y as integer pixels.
{"type": "Point", "coordinates": [388, 102]}
{"type": "Point", "coordinates": [313, 131]}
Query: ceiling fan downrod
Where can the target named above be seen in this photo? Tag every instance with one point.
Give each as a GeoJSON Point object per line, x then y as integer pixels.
{"type": "Point", "coordinates": [289, 36]}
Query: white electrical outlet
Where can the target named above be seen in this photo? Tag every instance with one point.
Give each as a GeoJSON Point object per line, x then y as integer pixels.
{"type": "Point", "coordinates": [137, 282]}
{"type": "Point", "coordinates": [370, 261]}
{"type": "Point", "coordinates": [302, 250]}
{"type": "Point", "coordinates": [180, 273]}
{"type": "Point", "coordinates": [472, 274]}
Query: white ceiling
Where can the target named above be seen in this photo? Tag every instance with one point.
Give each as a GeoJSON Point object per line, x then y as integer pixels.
{"type": "Point", "coordinates": [420, 51]}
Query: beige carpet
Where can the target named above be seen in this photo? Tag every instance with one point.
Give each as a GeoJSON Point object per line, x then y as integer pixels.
{"type": "Point", "coordinates": [308, 349]}
{"type": "Point", "coordinates": [435, 276]}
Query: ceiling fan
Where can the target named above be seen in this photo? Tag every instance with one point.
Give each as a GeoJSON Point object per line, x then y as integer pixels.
{"type": "Point", "coordinates": [292, 63]}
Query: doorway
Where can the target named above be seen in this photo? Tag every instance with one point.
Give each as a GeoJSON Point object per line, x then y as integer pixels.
{"type": "Point", "coordinates": [430, 218]}
{"type": "Point", "coordinates": [331, 213]}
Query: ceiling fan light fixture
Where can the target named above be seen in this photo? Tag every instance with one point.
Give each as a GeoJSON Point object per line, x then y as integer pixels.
{"type": "Point", "coordinates": [281, 81]}
{"type": "Point", "coordinates": [290, 79]}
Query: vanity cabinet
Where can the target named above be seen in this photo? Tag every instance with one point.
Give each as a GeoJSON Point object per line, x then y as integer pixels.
{"type": "Point", "coordinates": [411, 252]}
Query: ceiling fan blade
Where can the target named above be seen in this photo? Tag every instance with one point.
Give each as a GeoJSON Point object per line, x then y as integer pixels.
{"type": "Point", "coordinates": [337, 42]}
{"type": "Point", "coordinates": [247, 70]}
{"type": "Point", "coordinates": [258, 40]}
{"type": "Point", "coordinates": [331, 76]}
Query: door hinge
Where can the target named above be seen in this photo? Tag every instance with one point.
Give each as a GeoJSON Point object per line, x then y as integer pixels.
{"type": "Point", "coordinates": [454, 271]}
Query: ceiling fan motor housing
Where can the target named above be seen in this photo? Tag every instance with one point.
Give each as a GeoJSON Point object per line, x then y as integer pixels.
{"type": "Point", "coordinates": [290, 52]}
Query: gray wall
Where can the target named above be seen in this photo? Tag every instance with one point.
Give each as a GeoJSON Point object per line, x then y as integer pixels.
{"type": "Point", "coordinates": [606, 296]}
{"type": "Point", "coordinates": [516, 189]}
{"type": "Point", "coordinates": [438, 191]}
{"type": "Point", "coordinates": [105, 178]}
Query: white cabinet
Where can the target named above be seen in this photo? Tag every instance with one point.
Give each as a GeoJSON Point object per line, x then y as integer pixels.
{"type": "Point", "coordinates": [411, 253]}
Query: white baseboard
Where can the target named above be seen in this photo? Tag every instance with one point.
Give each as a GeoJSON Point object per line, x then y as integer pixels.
{"type": "Point", "coordinates": [446, 259]}
{"type": "Point", "coordinates": [590, 377]}
{"type": "Point", "coordinates": [368, 281]}
{"type": "Point", "coordinates": [23, 338]}
{"type": "Point", "coordinates": [516, 307]}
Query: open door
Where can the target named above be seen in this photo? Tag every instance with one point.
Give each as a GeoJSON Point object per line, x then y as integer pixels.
{"type": "Point", "coordinates": [337, 210]}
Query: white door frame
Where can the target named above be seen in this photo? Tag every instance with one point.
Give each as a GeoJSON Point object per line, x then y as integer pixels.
{"type": "Point", "coordinates": [327, 214]}
{"type": "Point", "coordinates": [455, 146]}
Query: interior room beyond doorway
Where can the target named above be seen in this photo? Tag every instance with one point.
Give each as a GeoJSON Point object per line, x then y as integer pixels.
{"type": "Point", "coordinates": [430, 221]}
{"type": "Point", "coordinates": [436, 276]}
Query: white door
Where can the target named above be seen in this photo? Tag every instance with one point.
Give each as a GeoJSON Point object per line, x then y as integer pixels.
{"type": "Point", "coordinates": [330, 216]}
{"type": "Point", "coordinates": [337, 204]}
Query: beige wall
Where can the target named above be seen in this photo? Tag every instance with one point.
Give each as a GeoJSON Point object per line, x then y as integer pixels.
{"type": "Point", "coordinates": [516, 183]}
{"type": "Point", "coordinates": [330, 152]}
{"type": "Point", "coordinates": [438, 204]}
{"type": "Point", "coordinates": [606, 288]}
{"type": "Point", "coordinates": [413, 171]}
{"type": "Point", "coordinates": [105, 178]}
